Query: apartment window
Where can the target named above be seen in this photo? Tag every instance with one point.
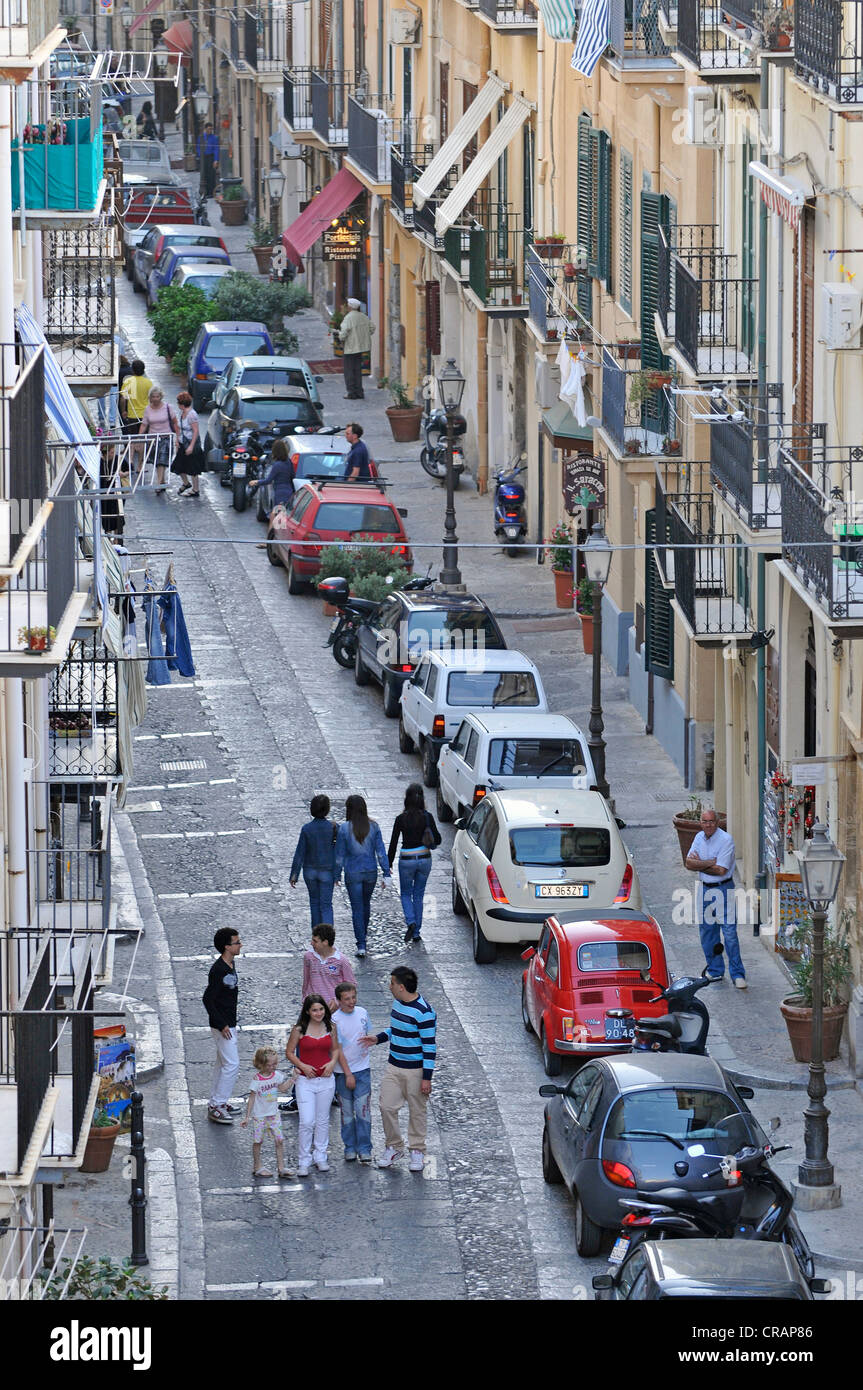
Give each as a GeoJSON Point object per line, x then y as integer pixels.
{"type": "Point", "coordinates": [625, 224]}
{"type": "Point", "coordinates": [443, 100]}
{"type": "Point", "coordinates": [325, 33]}
{"type": "Point", "coordinates": [594, 205]}
{"type": "Point", "coordinates": [803, 333]}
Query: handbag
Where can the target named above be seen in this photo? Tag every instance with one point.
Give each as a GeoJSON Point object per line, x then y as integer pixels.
{"type": "Point", "coordinates": [429, 841]}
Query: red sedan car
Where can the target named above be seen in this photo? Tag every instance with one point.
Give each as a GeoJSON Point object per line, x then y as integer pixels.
{"type": "Point", "coordinates": [585, 969]}
{"type": "Point", "coordinates": [325, 512]}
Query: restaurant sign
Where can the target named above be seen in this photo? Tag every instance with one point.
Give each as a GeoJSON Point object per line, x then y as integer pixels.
{"type": "Point", "coordinates": [583, 482]}
{"type": "Point", "coordinates": [342, 243]}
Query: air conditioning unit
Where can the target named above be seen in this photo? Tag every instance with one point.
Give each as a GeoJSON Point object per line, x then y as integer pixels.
{"type": "Point", "coordinates": [703, 118]}
{"type": "Point", "coordinates": [405, 28]}
{"type": "Point", "coordinates": [841, 315]}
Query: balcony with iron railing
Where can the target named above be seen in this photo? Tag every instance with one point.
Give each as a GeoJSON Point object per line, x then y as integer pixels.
{"type": "Point", "coordinates": [637, 415]}
{"type": "Point", "coordinates": [29, 30]}
{"type": "Point", "coordinates": [424, 217]}
{"type": "Point", "coordinates": [556, 289]}
{"type": "Point", "coordinates": [82, 717]}
{"type": "Point", "coordinates": [766, 24]}
{"type": "Point", "coordinates": [372, 132]}
{"type": "Point", "coordinates": [708, 564]}
{"type": "Point", "coordinates": [828, 48]}
{"type": "Point", "coordinates": [496, 248]}
{"type": "Point", "coordinates": [744, 465]}
{"type": "Point", "coordinates": [297, 100]}
{"type": "Point", "coordinates": [706, 43]}
{"type": "Point", "coordinates": [705, 314]}
{"type": "Point", "coordinates": [822, 530]}
{"type": "Point", "coordinates": [404, 172]}
{"type": "Point", "coordinates": [330, 89]}
{"type": "Point", "coordinates": [58, 145]}
{"type": "Point", "coordinates": [265, 37]}
{"type": "Point", "coordinates": [510, 16]}
{"type": "Point", "coordinates": [80, 305]}
{"type": "Point", "coordinates": [635, 41]}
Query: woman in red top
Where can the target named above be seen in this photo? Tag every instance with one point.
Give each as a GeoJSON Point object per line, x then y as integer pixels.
{"type": "Point", "coordinates": [314, 1049]}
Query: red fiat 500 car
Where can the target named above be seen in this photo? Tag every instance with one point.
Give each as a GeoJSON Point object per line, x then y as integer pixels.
{"type": "Point", "coordinates": [585, 969]}
{"type": "Point", "coordinates": [324, 512]}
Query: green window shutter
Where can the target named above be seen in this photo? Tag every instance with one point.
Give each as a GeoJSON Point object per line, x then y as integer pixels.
{"type": "Point", "coordinates": [654, 214]}
{"type": "Point", "coordinates": [658, 614]}
{"type": "Point", "coordinates": [603, 209]}
{"type": "Point", "coordinates": [584, 219]}
{"type": "Point", "coordinates": [625, 224]}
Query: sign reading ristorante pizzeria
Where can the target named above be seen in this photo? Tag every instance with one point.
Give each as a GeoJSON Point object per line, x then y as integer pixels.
{"type": "Point", "coordinates": [583, 482]}
{"type": "Point", "coordinates": [342, 244]}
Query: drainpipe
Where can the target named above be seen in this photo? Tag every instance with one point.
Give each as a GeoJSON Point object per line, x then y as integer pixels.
{"type": "Point", "coordinates": [539, 157]}
{"type": "Point", "coordinates": [380, 46]}
{"type": "Point", "coordinates": [760, 564]}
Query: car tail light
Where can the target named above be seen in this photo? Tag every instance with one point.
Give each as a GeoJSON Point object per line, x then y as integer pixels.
{"type": "Point", "coordinates": [632, 1218]}
{"type": "Point", "coordinates": [560, 825]}
{"type": "Point", "coordinates": [202, 376]}
{"type": "Point", "coordinates": [496, 890]}
{"type": "Point", "coordinates": [625, 888]}
{"type": "Point", "coordinates": [618, 1173]}
{"type": "Point", "coordinates": [438, 726]}
{"type": "Point", "coordinates": [478, 794]}
{"type": "Point", "coordinates": [568, 1029]}
{"type": "Point", "coordinates": [399, 550]}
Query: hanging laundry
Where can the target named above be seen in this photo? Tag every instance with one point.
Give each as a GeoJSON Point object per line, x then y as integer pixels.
{"type": "Point", "coordinates": [572, 385]}
{"type": "Point", "coordinates": [157, 666]}
{"type": "Point", "coordinates": [176, 636]}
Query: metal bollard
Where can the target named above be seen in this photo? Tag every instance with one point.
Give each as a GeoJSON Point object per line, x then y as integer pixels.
{"type": "Point", "coordinates": [138, 1199]}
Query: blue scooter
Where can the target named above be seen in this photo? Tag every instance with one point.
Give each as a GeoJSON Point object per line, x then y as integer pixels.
{"type": "Point", "coordinates": [510, 519]}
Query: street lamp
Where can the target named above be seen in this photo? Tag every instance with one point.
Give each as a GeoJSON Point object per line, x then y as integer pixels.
{"type": "Point", "coordinates": [450, 385]}
{"type": "Point", "coordinates": [820, 871]}
{"type": "Point", "coordinates": [160, 58]}
{"type": "Point", "coordinates": [201, 101]}
{"type": "Point", "coordinates": [127, 18]}
{"type": "Point", "coordinates": [597, 563]}
{"type": "Point", "coordinates": [276, 184]}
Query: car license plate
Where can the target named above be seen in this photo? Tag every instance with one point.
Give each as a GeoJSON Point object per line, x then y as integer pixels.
{"type": "Point", "coordinates": [618, 1250]}
{"type": "Point", "coordinates": [619, 1029]}
{"type": "Point", "coordinates": [511, 530]}
{"type": "Point", "coordinates": [239, 469]}
{"type": "Point", "coordinates": [560, 890]}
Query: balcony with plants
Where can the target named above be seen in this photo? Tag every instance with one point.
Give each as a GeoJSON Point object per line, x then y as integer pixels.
{"type": "Point", "coordinates": [496, 267]}
{"type": "Point", "coordinates": [57, 141]}
{"type": "Point", "coordinates": [764, 24]}
{"type": "Point", "coordinates": [822, 531]}
{"type": "Point", "coordinates": [828, 48]}
{"type": "Point", "coordinates": [637, 413]}
{"type": "Point", "coordinates": [509, 16]}
{"type": "Point", "coordinates": [705, 312]}
{"type": "Point", "coordinates": [705, 562]}
{"type": "Point", "coordinates": [559, 289]}
{"type": "Point", "coordinates": [707, 42]}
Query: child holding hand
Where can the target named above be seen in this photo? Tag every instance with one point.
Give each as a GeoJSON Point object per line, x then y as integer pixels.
{"type": "Point", "coordinates": [263, 1110]}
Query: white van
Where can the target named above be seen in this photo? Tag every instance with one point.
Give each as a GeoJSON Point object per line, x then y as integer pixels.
{"type": "Point", "coordinates": [496, 752]}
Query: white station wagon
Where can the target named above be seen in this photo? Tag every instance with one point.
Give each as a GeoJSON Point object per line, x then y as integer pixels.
{"type": "Point", "coordinates": [496, 752]}
{"type": "Point", "coordinates": [521, 855]}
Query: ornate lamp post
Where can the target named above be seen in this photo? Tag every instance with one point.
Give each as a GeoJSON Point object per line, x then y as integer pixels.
{"type": "Point", "coordinates": [450, 384]}
{"type": "Point", "coordinates": [820, 871]}
{"type": "Point", "coordinates": [597, 562]}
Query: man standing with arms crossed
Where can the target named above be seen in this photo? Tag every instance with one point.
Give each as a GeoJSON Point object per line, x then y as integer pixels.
{"type": "Point", "coordinates": [408, 1077]}
{"type": "Point", "coordinates": [712, 858]}
{"type": "Point", "coordinates": [220, 1001]}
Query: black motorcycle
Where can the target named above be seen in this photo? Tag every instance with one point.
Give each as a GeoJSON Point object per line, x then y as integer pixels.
{"type": "Point", "coordinates": [352, 612]}
{"type": "Point", "coordinates": [241, 463]}
{"type": "Point", "coordinates": [434, 451]}
{"type": "Point", "coordinates": [684, 1028]}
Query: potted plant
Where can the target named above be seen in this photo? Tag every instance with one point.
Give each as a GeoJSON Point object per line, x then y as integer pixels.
{"type": "Point", "coordinates": [629, 349]}
{"type": "Point", "coordinates": [233, 203]}
{"type": "Point", "coordinates": [104, 1129]}
{"type": "Point", "coordinates": [404, 415]}
{"type": "Point", "coordinates": [550, 247]}
{"type": "Point", "coordinates": [670, 446]}
{"type": "Point", "coordinates": [687, 823]}
{"type": "Point", "coordinates": [632, 447]}
{"type": "Point", "coordinates": [190, 158]}
{"type": "Point", "coordinates": [36, 639]}
{"type": "Point", "coordinates": [778, 27]}
{"type": "Point", "coordinates": [100, 1281]}
{"type": "Point", "coordinates": [796, 1008]}
{"type": "Point", "coordinates": [584, 599]}
{"type": "Point", "coordinates": [560, 554]}
{"type": "Point", "coordinates": [570, 271]}
{"type": "Point", "coordinates": [261, 244]}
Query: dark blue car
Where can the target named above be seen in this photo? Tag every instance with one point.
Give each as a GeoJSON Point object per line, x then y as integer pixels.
{"type": "Point", "coordinates": [216, 343]}
{"type": "Point", "coordinates": [173, 257]}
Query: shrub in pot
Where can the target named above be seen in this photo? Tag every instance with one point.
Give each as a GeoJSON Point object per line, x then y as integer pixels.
{"type": "Point", "coordinates": [560, 554]}
{"type": "Point", "coordinates": [261, 244]}
{"type": "Point", "coordinates": [404, 414]}
{"type": "Point", "coordinates": [837, 975]}
{"type": "Point", "coordinates": [233, 203]}
{"type": "Point", "coordinates": [101, 1280]}
{"type": "Point", "coordinates": [584, 596]}
{"type": "Point", "coordinates": [104, 1129]}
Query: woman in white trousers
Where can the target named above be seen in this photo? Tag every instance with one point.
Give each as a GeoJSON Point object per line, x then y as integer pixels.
{"type": "Point", "coordinates": [314, 1050]}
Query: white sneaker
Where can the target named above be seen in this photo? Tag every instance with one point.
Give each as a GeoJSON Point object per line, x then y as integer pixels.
{"type": "Point", "coordinates": [219, 1115]}
{"type": "Point", "coordinates": [740, 982]}
{"type": "Point", "coordinates": [303, 1170]}
{"type": "Point", "coordinates": [389, 1156]}
{"type": "Point", "coordinates": [323, 1166]}
{"type": "Point", "coordinates": [417, 1161]}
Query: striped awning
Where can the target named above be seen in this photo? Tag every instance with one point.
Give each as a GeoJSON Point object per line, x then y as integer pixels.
{"type": "Point", "coordinates": [459, 137]}
{"type": "Point", "coordinates": [62, 409]}
{"type": "Point", "coordinates": [481, 166]}
{"type": "Point", "coordinates": [783, 196]}
{"type": "Point", "coordinates": [558, 16]}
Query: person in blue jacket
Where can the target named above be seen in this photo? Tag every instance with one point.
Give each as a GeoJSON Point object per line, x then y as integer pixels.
{"type": "Point", "coordinates": [280, 474]}
{"type": "Point", "coordinates": [315, 856]}
{"type": "Point", "coordinates": [359, 851]}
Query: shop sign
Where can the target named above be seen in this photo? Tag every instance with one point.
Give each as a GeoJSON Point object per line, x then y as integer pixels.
{"type": "Point", "coordinates": [342, 244]}
{"type": "Point", "coordinates": [583, 482]}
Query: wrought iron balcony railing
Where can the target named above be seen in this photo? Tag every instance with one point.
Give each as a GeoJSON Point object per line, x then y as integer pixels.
{"type": "Point", "coordinates": [634, 34]}
{"type": "Point", "coordinates": [82, 716]}
{"type": "Point", "coordinates": [704, 39]}
{"type": "Point", "coordinates": [768, 22]}
{"type": "Point", "coordinates": [496, 257]}
{"type": "Point", "coordinates": [559, 297]}
{"type": "Point", "coordinates": [706, 310]}
{"type": "Point", "coordinates": [404, 171]}
{"type": "Point", "coordinates": [424, 217]}
{"type": "Point", "coordinates": [519, 16]}
{"type": "Point", "coordinates": [636, 415]}
{"type": "Point", "coordinates": [297, 87]}
{"type": "Point", "coordinates": [744, 465]}
{"type": "Point", "coordinates": [373, 131]}
{"type": "Point", "coordinates": [822, 529]}
{"type": "Point", "coordinates": [39, 579]}
{"type": "Point", "coordinates": [265, 37]}
{"type": "Point", "coordinates": [69, 868]}
{"type": "Point", "coordinates": [828, 47]}
{"type": "Point", "coordinates": [330, 89]}
{"type": "Point", "coordinates": [709, 567]}
{"type": "Point", "coordinates": [80, 305]}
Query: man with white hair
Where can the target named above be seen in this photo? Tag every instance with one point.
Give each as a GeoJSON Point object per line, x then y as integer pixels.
{"type": "Point", "coordinates": [356, 334]}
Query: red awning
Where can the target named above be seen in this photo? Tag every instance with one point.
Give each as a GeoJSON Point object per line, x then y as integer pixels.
{"type": "Point", "coordinates": [179, 40]}
{"type": "Point", "coordinates": [145, 14]}
{"type": "Point", "coordinates": [331, 202]}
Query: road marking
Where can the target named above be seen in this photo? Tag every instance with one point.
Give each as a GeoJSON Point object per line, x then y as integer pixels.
{"type": "Point", "coordinates": [242, 680]}
{"type": "Point", "coordinates": [202, 733]}
{"type": "Point", "coordinates": [166, 835]}
{"type": "Point", "coordinates": [180, 834]}
{"type": "Point", "coordinates": [221, 781]}
{"type": "Point", "coordinates": [156, 787]}
{"type": "Point", "coordinates": [144, 806]}
{"type": "Point", "coordinates": [201, 782]}
{"type": "Point", "coordinates": [144, 738]}
{"type": "Point", "coordinates": [219, 893]}
{"type": "Point", "coordinates": [166, 896]}
{"type": "Point", "coordinates": [241, 1027]}
{"type": "Point", "coordinates": [351, 1283]}
{"type": "Point", "coordinates": [184, 765]}
{"type": "Point", "coordinates": [280, 1284]}
{"type": "Point", "coordinates": [240, 892]}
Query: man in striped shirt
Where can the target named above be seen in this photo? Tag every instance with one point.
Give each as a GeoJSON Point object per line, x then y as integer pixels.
{"type": "Point", "coordinates": [408, 1077]}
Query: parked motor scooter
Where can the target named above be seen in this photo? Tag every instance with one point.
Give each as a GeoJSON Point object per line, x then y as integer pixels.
{"type": "Point", "coordinates": [685, 1027]}
{"type": "Point", "coordinates": [755, 1205]}
{"type": "Point", "coordinates": [434, 451]}
{"type": "Point", "coordinates": [352, 613]}
{"type": "Point", "coordinates": [510, 518]}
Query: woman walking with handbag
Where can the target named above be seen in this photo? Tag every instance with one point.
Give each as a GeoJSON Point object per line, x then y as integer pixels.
{"type": "Point", "coordinates": [159, 419]}
{"type": "Point", "coordinates": [419, 836]}
{"type": "Point", "coordinates": [189, 458]}
{"type": "Point", "coordinates": [359, 850]}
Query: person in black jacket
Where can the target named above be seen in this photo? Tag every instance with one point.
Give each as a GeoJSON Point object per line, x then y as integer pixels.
{"type": "Point", "coordinates": [419, 836]}
{"type": "Point", "coordinates": [220, 1001]}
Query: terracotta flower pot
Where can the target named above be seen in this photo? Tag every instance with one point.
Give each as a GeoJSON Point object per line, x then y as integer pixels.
{"type": "Point", "coordinates": [190, 163]}
{"type": "Point", "coordinates": [798, 1021]}
{"type": "Point", "coordinates": [549, 250]}
{"type": "Point", "coordinates": [563, 588]}
{"type": "Point", "coordinates": [263, 255]}
{"type": "Point", "coordinates": [234, 213]}
{"type": "Point", "coordinates": [100, 1146]}
{"type": "Point", "coordinates": [405, 422]}
{"type": "Point", "coordinates": [587, 633]}
{"type": "Point", "coordinates": [688, 829]}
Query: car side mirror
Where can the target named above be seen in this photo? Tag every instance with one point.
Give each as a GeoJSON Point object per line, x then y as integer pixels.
{"type": "Point", "coordinates": [460, 823]}
{"type": "Point", "coordinates": [529, 953]}
{"type": "Point", "coordinates": [621, 824]}
{"type": "Point", "coordinates": [602, 1281]}
{"type": "Point", "coordinates": [821, 1285]}
{"type": "Point", "coordinates": [319, 379]}
{"type": "Point", "coordinates": [746, 1092]}
{"type": "Point", "coordinates": [402, 511]}
{"type": "Point", "coordinates": [549, 1090]}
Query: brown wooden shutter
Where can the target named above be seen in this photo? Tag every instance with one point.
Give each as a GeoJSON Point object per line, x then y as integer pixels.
{"type": "Point", "coordinates": [804, 317]}
{"type": "Point", "coordinates": [325, 26]}
{"type": "Point", "coordinates": [443, 100]}
{"type": "Point", "coordinates": [468, 95]}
